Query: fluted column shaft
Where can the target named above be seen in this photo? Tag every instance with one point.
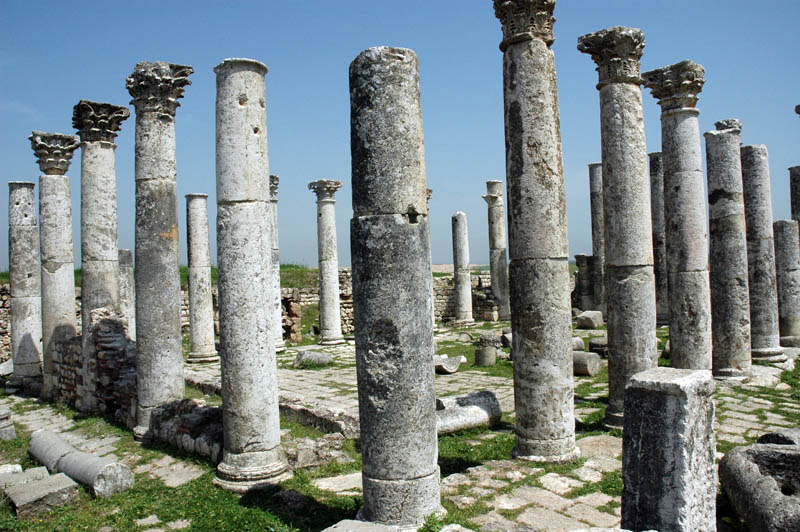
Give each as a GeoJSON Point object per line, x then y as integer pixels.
{"type": "Point", "coordinates": [275, 265]}
{"type": "Point", "coordinates": [598, 236]}
{"type": "Point", "coordinates": [787, 269]}
{"type": "Point", "coordinates": [462, 289]}
{"type": "Point", "coordinates": [498, 259]}
{"type": "Point", "coordinates": [659, 240]}
{"type": "Point", "coordinates": [201, 305]}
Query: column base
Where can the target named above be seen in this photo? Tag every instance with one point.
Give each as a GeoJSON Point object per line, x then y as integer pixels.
{"type": "Point", "coordinates": [197, 358]}
{"type": "Point", "coordinates": [142, 434]}
{"type": "Point", "coordinates": [562, 450]}
{"type": "Point", "coordinates": [331, 341]}
{"type": "Point", "coordinates": [769, 354]}
{"type": "Point", "coordinates": [405, 503]}
{"type": "Point", "coordinates": [790, 341]}
{"type": "Point", "coordinates": [248, 471]}
{"type": "Point", "coordinates": [731, 375]}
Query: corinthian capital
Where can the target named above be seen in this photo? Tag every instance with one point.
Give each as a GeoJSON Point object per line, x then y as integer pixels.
{"type": "Point", "coordinates": [98, 121]}
{"type": "Point", "coordinates": [325, 188]}
{"type": "Point", "coordinates": [676, 86]}
{"type": "Point", "coordinates": [156, 87]}
{"type": "Point", "coordinates": [53, 151]}
{"type": "Point", "coordinates": [617, 52]}
{"type": "Point", "coordinates": [523, 20]}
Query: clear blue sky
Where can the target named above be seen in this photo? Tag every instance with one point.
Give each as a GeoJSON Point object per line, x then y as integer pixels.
{"type": "Point", "coordinates": [54, 53]}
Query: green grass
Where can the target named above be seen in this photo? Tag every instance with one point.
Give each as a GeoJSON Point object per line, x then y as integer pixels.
{"type": "Point", "coordinates": [308, 321]}
{"type": "Point", "coordinates": [4, 278]}
{"type": "Point", "coordinates": [299, 276]}
{"type": "Point", "coordinates": [185, 276]}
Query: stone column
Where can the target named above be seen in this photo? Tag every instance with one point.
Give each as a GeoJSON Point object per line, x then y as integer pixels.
{"type": "Point", "coordinates": [541, 313]}
{"type": "Point", "coordinates": [25, 280]}
{"type": "Point", "coordinates": [583, 286]}
{"type": "Point", "coordinates": [659, 240]}
{"type": "Point", "coordinates": [787, 269]}
{"type": "Point", "coordinates": [677, 87]}
{"type": "Point", "coordinates": [275, 265]}
{"type": "Point", "coordinates": [428, 194]}
{"type": "Point", "coordinates": [498, 261]}
{"type": "Point", "coordinates": [156, 88]}
{"type": "Point", "coordinates": [54, 154]}
{"type": "Point", "coordinates": [252, 454]}
{"type": "Point", "coordinates": [598, 236]}
{"type": "Point", "coordinates": [668, 447]}
{"type": "Point", "coordinates": [127, 291]}
{"type": "Point", "coordinates": [330, 313]}
{"type": "Point", "coordinates": [462, 289]}
{"type": "Point", "coordinates": [626, 199]}
{"type": "Point", "coordinates": [730, 297]}
{"type": "Point", "coordinates": [201, 305]}
{"type": "Point", "coordinates": [392, 290]}
{"type": "Point", "coordinates": [764, 332]}
{"type": "Point", "coordinates": [794, 191]}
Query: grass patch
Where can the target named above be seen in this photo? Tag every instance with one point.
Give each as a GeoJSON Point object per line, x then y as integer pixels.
{"type": "Point", "coordinates": [299, 276]}
{"type": "Point", "coordinates": [610, 484]}
{"type": "Point", "coordinates": [308, 321]}
{"type": "Point", "coordinates": [4, 278]}
{"type": "Point", "coordinates": [457, 452]}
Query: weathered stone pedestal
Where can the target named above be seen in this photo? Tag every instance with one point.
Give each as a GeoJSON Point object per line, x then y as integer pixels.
{"type": "Point", "coordinates": [659, 239]}
{"type": "Point", "coordinates": [787, 269]}
{"type": "Point", "coordinates": [598, 236]}
{"type": "Point", "coordinates": [498, 260]}
{"type": "Point", "coordinates": [461, 273]}
{"type": "Point", "coordinates": [275, 266]}
{"type": "Point", "coordinates": [201, 305]}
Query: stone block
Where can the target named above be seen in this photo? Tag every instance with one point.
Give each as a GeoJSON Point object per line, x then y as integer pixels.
{"type": "Point", "coordinates": [42, 495]}
{"type": "Point", "coordinates": [312, 358]}
{"type": "Point", "coordinates": [585, 363]}
{"type": "Point", "coordinates": [444, 365]}
{"type": "Point", "coordinates": [22, 477]}
{"type": "Point", "coordinates": [783, 437]}
{"type": "Point", "coordinates": [589, 319]}
{"type": "Point", "coordinates": [350, 525]}
{"type": "Point", "coordinates": [467, 411]}
{"type": "Point", "coordinates": [578, 344]}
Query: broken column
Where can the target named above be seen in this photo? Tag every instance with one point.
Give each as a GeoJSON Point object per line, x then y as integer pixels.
{"type": "Point", "coordinates": [677, 88]}
{"type": "Point", "coordinates": [659, 241]}
{"type": "Point", "coordinates": [201, 306]}
{"type": "Point", "coordinates": [54, 154]}
{"type": "Point", "coordinates": [127, 291]}
{"type": "Point", "coordinates": [764, 329]}
{"type": "Point", "coordinates": [392, 290]}
{"type": "Point", "coordinates": [541, 314]}
{"type": "Point", "coordinates": [275, 265]}
{"type": "Point", "coordinates": [626, 197]}
{"type": "Point", "coordinates": [498, 262]}
{"type": "Point", "coordinates": [330, 314]}
{"type": "Point", "coordinates": [156, 88]}
{"type": "Point", "coordinates": [787, 269]}
{"type": "Point", "coordinates": [252, 454]}
{"type": "Point", "coordinates": [730, 297]}
{"type": "Point", "coordinates": [598, 236]}
{"type": "Point", "coordinates": [462, 289]}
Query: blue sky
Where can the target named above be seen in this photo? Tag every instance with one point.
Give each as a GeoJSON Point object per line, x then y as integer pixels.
{"type": "Point", "coordinates": [54, 53]}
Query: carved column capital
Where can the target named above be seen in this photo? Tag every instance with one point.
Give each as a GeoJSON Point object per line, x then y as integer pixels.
{"type": "Point", "coordinates": [53, 151]}
{"type": "Point", "coordinates": [156, 87]}
{"type": "Point", "coordinates": [617, 52]}
{"type": "Point", "coordinates": [97, 121]}
{"type": "Point", "coordinates": [797, 109]}
{"type": "Point", "coordinates": [729, 123]}
{"type": "Point", "coordinates": [325, 188]}
{"type": "Point", "coordinates": [273, 187]}
{"type": "Point", "coordinates": [676, 86]}
{"type": "Point", "coordinates": [524, 20]}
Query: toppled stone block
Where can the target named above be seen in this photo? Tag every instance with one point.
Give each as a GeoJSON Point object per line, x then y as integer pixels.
{"type": "Point", "coordinates": [349, 525]}
{"type": "Point", "coordinates": [42, 495]}
{"type": "Point", "coordinates": [578, 344]}
{"type": "Point", "coordinates": [305, 452]}
{"type": "Point", "coordinates": [464, 337]}
{"type": "Point", "coordinates": [585, 363]}
{"type": "Point", "coordinates": [22, 477]}
{"type": "Point", "coordinates": [48, 448]}
{"type": "Point", "coordinates": [10, 468]}
{"type": "Point", "coordinates": [589, 319]}
{"type": "Point", "coordinates": [305, 359]}
{"type": "Point", "coordinates": [599, 345]}
{"type": "Point", "coordinates": [507, 337]}
{"type": "Point", "coordinates": [467, 411]}
{"type": "Point", "coordinates": [783, 437]}
{"type": "Point", "coordinates": [444, 365]}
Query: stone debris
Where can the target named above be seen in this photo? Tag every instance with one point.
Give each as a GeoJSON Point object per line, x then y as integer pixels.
{"type": "Point", "coordinates": [12, 478]}
{"type": "Point", "coordinates": [465, 337]}
{"type": "Point", "coordinates": [589, 319]}
{"type": "Point", "coordinates": [468, 411]}
{"type": "Point", "coordinates": [7, 430]}
{"type": "Point", "coordinates": [783, 437]}
{"type": "Point", "coordinates": [578, 344]}
{"type": "Point", "coordinates": [487, 349]}
{"type": "Point", "coordinates": [445, 365]}
{"type": "Point", "coordinates": [304, 453]}
{"type": "Point", "coordinates": [349, 525]}
{"type": "Point", "coordinates": [311, 359]}
{"type": "Point", "coordinates": [42, 495]}
{"type": "Point", "coordinates": [586, 363]}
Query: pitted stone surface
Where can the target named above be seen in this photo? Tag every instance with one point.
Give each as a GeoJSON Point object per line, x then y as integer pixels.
{"type": "Point", "coordinates": [201, 307]}
{"type": "Point", "coordinates": [659, 242]}
{"type": "Point", "coordinates": [461, 269]}
{"type": "Point", "coordinates": [787, 269]}
{"type": "Point", "coordinates": [598, 235]}
{"type": "Point", "coordinates": [498, 260]}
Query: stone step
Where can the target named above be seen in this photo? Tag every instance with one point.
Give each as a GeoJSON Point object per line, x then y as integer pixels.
{"type": "Point", "coordinates": [42, 495]}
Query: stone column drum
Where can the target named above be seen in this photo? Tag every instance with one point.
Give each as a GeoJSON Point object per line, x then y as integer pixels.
{"type": "Point", "coordinates": [25, 280]}
{"type": "Point", "coordinates": [541, 314]}
{"type": "Point", "coordinates": [677, 87]}
{"type": "Point", "coordinates": [598, 236]}
{"type": "Point", "coordinates": [54, 154]}
{"type": "Point", "coordinates": [787, 269]}
{"type": "Point", "coordinates": [764, 327]}
{"type": "Point", "coordinates": [659, 240]}
{"type": "Point", "coordinates": [127, 291]}
{"type": "Point", "coordinates": [498, 260]}
{"type": "Point", "coordinates": [392, 290]}
{"type": "Point", "coordinates": [330, 313]}
{"type": "Point", "coordinates": [730, 297]}
{"type": "Point", "coordinates": [626, 199]}
{"type": "Point", "coordinates": [461, 273]}
{"type": "Point", "coordinates": [156, 88]}
{"type": "Point", "coordinates": [275, 265]}
{"type": "Point", "coordinates": [794, 191]}
{"type": "Point", "coordinates": [201, 305]}
{"type": "Point", "coordinates": [252, 454]}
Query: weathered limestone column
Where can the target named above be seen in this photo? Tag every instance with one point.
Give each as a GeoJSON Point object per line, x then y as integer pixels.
{"type": "Point", "coordinates": [794, 191]}
{"type": "Point", "coordinates": [659, 240]}
{"type": "Point", "coordinates": [677, 87]}
{"type": "Point", "coordinates": [25, 275]}
{"type": "Point", "coordinates": [428, 194]}
{"type": "Point", "coordinates": [668, 447]}
{"type": "Point", "coordinates": [127, 291]}
{"type": "Point", "coordinates": [787, 269]}
{"type": "Point", "coordinates": [626, 199]}
{"type": "Point", "coordinates": [541, 314]}
{"type": "Point", "coordinates": [201, 305]}
{"type": "Point", "coordinates": [584, 264]}
{"type": "Point", "coordinates": [330, 313]}
{"type": "Point", "coordinates": [275, 265]}
{"type": "Point", "coordinates": [764, 331]}
{"type": "Point", "coordinates": [598, 236]}
{"type": "Point", "coordinates": [498, 261]}
{"type": "Point", "coordinates": [730, 297]}
{"type": "Point", "coordinates": [392, 290]}
{"type": "Point", "coordinates": [156, 88]}
{"type": "Point", "coordinates": [252, 455]}
{"type": "Point", "coordinates": [461, 274]}
{"type": "Point", "coordinates": [54, 154]}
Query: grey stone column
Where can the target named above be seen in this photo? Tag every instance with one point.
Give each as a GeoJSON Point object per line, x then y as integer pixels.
{"type": "Point", "coordinates": [462, 289]}
{"type": "Point", "coordinates": [275, 265]}
{"type": "Point", "coordinates": [794, 191]}
{"type": "Point", "coordinates": [730, 297]}
{"type": "Point", "coordinates": [428, 194]}
{"type": "Point", "coordinates": [201, 305]}
{"type": "Point", "coordinates": [330, 313]}
{"type": "Point", "coordinates": [156, 88]}
{"type": "Point", "coordinates": [54, 154]}
{"type": "Point", "coordinates": [252, 454]}
{"type": "Point", "coordinates": [498, 261]}
{"type": "Point", "coordinates": [25, 280]}
{"type": "Point", "coordinates": [659, 240]}
{"type": "Point", "coordinates": [127, 291]}
{"type": "Point", "coordinates": [392, 290]}
{"type": "Point", "coordinates": [583, 286]}
{"type": "Point", "coordinates": [598, 236]}
{"type": "Point", "coordinates": [764, 327]}
{"type": "Point", "coordinates": [677, 87]}
{"type": "Point", "coordinates": [626, 196]}
{"type": "Point", "coordinates": [787, 269]}
{"type": "Point", "coordinates": [541, 314]}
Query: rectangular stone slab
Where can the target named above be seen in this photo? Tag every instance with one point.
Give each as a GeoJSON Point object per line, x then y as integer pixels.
{"type": "Point", "coordinates": [42, 495]}
{"type": "Point", "coordinates": [29, 475]}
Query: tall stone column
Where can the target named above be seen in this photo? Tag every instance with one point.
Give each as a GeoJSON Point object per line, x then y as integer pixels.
{"type": "Point", "coordinates": [275, 265]}
{"type": "Point", "coordinates": [659, 239]}
{"type": "Point", "coordinates": [25, 280]}
{"type": "Point", "coordinates": [156, 88]}
{"type": "Point", "coordinates": [730, 297]}
{"type": "Point", "coordinates": [462, 289]}
{"type": "Point", "coordinates": [252, 455]}
{"type": "Point", "coordinates": [127, 291]}
{"type": "Point", "coordinates": [498, 261]}
{"type": "Point", "coordinates": [794, 191]}
{"type": "Point", "coordinates": [330, 313]}
{"type": "Point", "coordinates": [583, 287]}
{"type": "Point", "coordinates": [598, 236]}
{"type": "Point", "coordinates": [787, 269]}
{"type": "Point", "coordinates": [392, 290]}
{"type": "Point", "coordinates": [677, 87]}
{"type": "Point", "coordinates": [54, 154]}
{"type": "Point", "coordinates": [201, 305]}
{"type": "Point", "coordinates": [626, 199]}
{"type": "Point", "coordinates": [764, 327]}
{"type": "Point", "coordinates": [541, 313]}
{"type": "Point", "coordinates": [428, 194]}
